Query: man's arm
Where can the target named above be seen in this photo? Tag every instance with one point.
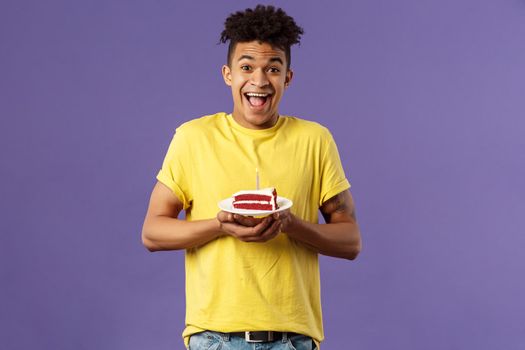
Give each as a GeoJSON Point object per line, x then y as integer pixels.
{"type": "Point", "coordinates": [163, 231]}
{"type": "Point", "coordinates": [339, 237]}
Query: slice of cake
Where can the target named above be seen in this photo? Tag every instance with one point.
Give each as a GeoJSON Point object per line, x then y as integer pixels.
{"type": "Point", "coordinates": [265, 199]}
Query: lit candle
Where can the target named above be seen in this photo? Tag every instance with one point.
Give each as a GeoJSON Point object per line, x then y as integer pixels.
{"type": "Point", "coordinates": [257, 179]}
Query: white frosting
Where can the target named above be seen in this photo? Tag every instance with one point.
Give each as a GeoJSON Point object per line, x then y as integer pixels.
{"type": "Point", "coordinates": [253, 202]}
{"type": "Point", "coordinates": [265, 191]}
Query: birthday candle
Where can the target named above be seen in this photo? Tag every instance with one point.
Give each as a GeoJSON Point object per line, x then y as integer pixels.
{"type": "Point", "coordinates": [257, 178]}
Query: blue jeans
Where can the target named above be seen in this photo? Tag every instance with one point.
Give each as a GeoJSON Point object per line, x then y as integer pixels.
{"type": "Point", "coordinates": [209, 340]}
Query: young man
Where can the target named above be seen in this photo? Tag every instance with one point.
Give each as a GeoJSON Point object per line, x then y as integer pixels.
{"type": "Point", "coordinates": [253, 279]}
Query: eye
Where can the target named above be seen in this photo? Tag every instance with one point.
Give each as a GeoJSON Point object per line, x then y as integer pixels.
{"type": "Point", "coordinates": [274, 70]}
{"type": "Point", "coordinates": [245, 67]}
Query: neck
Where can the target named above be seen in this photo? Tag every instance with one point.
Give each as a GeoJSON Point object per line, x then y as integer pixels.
{"type": "Point", "coordinates": [247, 123]}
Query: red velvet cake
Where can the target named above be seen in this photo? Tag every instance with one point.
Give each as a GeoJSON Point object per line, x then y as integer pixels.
{"type": "Point", "coordinates": [265, 199]}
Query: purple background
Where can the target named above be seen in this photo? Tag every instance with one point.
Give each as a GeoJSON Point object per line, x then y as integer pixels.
{"type": "Point", "coordinates": [425, 100]}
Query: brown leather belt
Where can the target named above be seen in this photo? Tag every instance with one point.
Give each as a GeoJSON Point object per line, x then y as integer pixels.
{"type": "Point", "coordinates": [261, 336]}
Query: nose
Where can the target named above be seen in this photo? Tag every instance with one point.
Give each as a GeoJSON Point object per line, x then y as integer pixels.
{"type": "Point", "coordinates": [258, 78]}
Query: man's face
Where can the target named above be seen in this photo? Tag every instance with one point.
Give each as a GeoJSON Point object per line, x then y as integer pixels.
{"type": "Point", "coordinates": [258, 76]}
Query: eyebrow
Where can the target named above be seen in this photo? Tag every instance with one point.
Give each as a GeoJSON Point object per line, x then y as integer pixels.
{"type": "Point", "coordinates": [273, 59]}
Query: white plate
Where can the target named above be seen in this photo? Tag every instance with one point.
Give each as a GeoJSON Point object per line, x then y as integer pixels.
{"type": "Point", "coordinates": [226, 205]}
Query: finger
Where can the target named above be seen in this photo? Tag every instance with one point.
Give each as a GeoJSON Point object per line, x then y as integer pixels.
{"type": "Point", "coordinates": [271, 232]}
{"type": "Point", "coordinates": [249, 221]}
{"type": "Point", "coordinates": [262, 226]}
{"type": "Point", "coordinates": [224, 216]}
{"type": "Point", "coordinates": [249, 234]}
{"type": "Point", "coordinates": [245, 232]}
{"type": "Point", "coordinates": [236, 230]}
{"type": "Point", "coordinates": [281, 215]}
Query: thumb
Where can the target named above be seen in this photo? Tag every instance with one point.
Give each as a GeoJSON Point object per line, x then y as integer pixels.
{"type": "Point", "coordinates": [224, 216]}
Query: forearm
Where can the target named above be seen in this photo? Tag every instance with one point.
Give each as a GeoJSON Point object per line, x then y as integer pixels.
{"type": "Point", "coordinates": [341, 239]}
{"type": "Point", "coordinates": [167, 233]}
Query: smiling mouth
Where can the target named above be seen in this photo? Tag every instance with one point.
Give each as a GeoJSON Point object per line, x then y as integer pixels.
{"type": "Point", "coordinates": [256, 99]}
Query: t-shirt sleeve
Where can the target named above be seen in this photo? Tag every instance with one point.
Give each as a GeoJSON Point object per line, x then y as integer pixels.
{"type": "Point", "coordinates": [333, 179]}
{"type": "Point", "coordinates": [176, 168]}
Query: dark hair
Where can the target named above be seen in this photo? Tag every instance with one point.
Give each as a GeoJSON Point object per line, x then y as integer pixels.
{"type": "Point", "coordinates": [264, 24]}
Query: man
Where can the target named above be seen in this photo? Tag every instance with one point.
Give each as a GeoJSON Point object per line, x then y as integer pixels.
{"type": "Point", "coordinates": [253, 279]}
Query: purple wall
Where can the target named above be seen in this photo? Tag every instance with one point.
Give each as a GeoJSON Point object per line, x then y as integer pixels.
{"type": "Point", "coordinates": [425, 99]}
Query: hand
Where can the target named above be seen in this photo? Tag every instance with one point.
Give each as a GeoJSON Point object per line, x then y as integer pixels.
{"type": "Point", "coordinates": [247, 228]}
{"type": "Point", "coordinates": [286, 218]}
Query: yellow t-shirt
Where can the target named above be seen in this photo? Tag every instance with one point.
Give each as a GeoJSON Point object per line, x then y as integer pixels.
{"type": "Point", "coordinates": [237, 286]}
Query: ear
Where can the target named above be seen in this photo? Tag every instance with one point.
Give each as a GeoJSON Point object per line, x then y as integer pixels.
{"type": "Point", "coordinates": [227, 75]}
{"type": "Point", "coordinates": [288, 79]}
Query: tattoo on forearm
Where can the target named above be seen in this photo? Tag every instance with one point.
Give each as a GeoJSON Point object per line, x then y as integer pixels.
{"type": "Point", "coordinates": [337, 204]}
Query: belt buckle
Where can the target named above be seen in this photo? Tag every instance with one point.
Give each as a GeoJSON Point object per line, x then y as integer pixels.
{"type": "Point", "coordinates": [247, 337]}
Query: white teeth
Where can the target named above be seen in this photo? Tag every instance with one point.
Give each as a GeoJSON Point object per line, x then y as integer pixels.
{"type": "Point", "coordinates": [254, 94]}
